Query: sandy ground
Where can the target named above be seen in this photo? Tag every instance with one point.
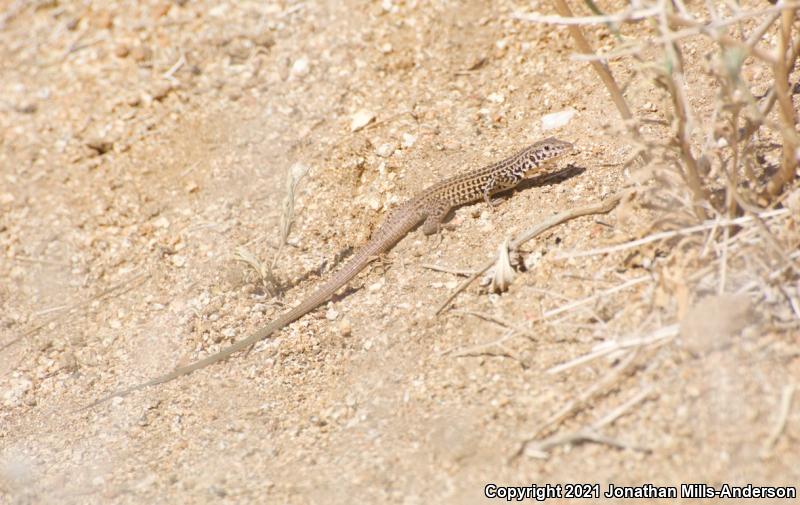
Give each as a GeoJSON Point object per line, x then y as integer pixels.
{"type": "Point", "coordinates": [144, 144]}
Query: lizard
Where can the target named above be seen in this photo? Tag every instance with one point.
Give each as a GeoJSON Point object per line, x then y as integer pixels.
{"type": "Point", "coordinates": [428, 207]}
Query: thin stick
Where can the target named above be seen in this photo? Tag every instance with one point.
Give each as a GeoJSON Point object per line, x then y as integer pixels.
{"type": "Point", "coordinates": [591, 434]}
{"type": "Point", "coordinates": [621, 17]}
{"type": "Point", "coordinates": [562, 217]}
{"type": "Point", "coordinates": [620, 410]}
{"type": "Point", "coordinates": [604, 293]}
{"type": "Point", "coordinates": [448, 270]}
{"type": "Point", "coordinates": [501, 322]}
{"type": "Point", "coordinates": [610, 379]}
{"type": "Point", "coordinates": [660, 335]}
{"type": "Point", "coordinates": [673, 233]}
{"type": "Point", "coordinates": [634, 15]}
{"type": "Point", "coordinates": [786, 405]}
{"type": "Point", "coordinates": [540, 449]}
{"type": "Point", "coordinates": [602, 70]}
{"type": "Point", "coordinates": [787, 170]}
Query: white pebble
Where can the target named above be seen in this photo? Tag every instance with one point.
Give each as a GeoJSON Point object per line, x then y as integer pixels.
{"type": "Point", "coordinates": [408, 140]}
{"type": "Point", "coordinates": [496, 98]}
{"type": "Point", "coordinates": [12, 397]}
{"type": "Point", "coordinates": [300, 67]}
{"type": "Point", "coordinates": [361, 119]}
{"type": "Point", "coordinates": [557, 119]}
{"type": "Point", "coordinates": [385, 150]}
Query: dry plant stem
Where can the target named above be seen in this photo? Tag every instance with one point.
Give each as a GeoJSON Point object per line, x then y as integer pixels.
{"type": "Point", "coordinates": [669, 234]}
{"type": "Point", "coordinates": [692, 29]}
{"type": "Point", "coordinates": [676, 85]}
{"type": "Point", "coordinates": [790, 142]}
{"type": "Point", "coordinates": [660, 336]}
{"type": "Point", "coordinates": [590, 434]}
{"type": "Point", "coordinates": [603, 294]}
{"type": "Point", "coordinates": [540, 449]}
{"type": "Point", "coordinates": [502, 322]}
{"type": "Point", "coordinates": [570, 20]}
{"type": "Point", "coordinates": [772, 96]}
{"type": "Point", "coordinates": [727, 40]}
{"type": "Point", "coordinates": [783, 415]}
{"type": "Point", "coordinates": [562, 217]}
{"type": "Point", "coordinates": [610, 379]}
{"type": "Point", "coordinates": [769, 238]}
{"type": "Point", "coordinates": [447, 270]}
{"type": "Point", "coordinates": [604, 72]}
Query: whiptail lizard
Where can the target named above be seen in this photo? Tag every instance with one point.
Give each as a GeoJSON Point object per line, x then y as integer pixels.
{"type": "Point", "coordinates": [429, 207]}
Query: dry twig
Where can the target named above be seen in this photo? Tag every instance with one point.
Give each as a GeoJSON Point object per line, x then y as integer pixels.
{"type": "Point", "coordinates": [562, 217]}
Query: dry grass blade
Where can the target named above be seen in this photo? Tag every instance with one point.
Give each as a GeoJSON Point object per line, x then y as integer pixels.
{"type": "Point", "coordinates": [660, 336]}
{"type": "Point", "coordinates": [447, 270]}
{"type": "Point", "coordinates": [296, 174]}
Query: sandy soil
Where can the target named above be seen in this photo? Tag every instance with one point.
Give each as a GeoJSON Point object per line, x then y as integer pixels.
{"type": "Point", "coordinates": [145, 143]}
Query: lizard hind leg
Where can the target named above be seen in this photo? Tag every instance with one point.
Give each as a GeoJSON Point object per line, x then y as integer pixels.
{"type": "Point", "coordinates": [433, 222]}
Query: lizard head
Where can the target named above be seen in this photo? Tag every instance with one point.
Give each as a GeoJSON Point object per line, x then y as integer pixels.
{"type": "Point", "coordinates": [546, 149]}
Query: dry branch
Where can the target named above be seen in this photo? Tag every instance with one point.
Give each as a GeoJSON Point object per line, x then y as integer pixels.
{"type": "Point", "coordinates": [599, 208]}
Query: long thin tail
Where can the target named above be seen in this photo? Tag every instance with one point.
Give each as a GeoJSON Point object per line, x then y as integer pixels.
{"type": "Point", "coordinates": [320, 296]}
{"type": "Point", "coordinates": [384, 238]}
{"type": "Point", "coordinates": [277, 324]}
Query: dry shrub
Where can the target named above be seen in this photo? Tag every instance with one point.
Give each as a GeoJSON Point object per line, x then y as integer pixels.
{"type": "Point", "coordinates": [715, 164]}
{"type": "Point", "coordinates": [722, 149]}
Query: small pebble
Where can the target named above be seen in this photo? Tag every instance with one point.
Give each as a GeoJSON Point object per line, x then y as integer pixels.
{"type": "Point", "coordinates": [161, 90]}
{"type": "Point", "coordinates": [557, 119]}
{"type": "Point", "coordinates": [27, 108]}
{"type": "Point", "coordinates": [264, 39]}
{"type": "Point", "coordinates": [385, 150]}
{"type": "Point", "coordinates": [301, 67]}
{"type": "Point", "coordinates": [408, 140]}
{"type": "Point", "coordinates": [99, 145]}
{"type": "Point", "coordinates": [496, 98]}
{"type": "Point", "coordinates": [141, 54]}
{"type": "Point", "coordinates": [122, 50]}
{"type": "Point", "coordinates": [361, 119]}
{"type": "Point", "coordinates": [345, 328]}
